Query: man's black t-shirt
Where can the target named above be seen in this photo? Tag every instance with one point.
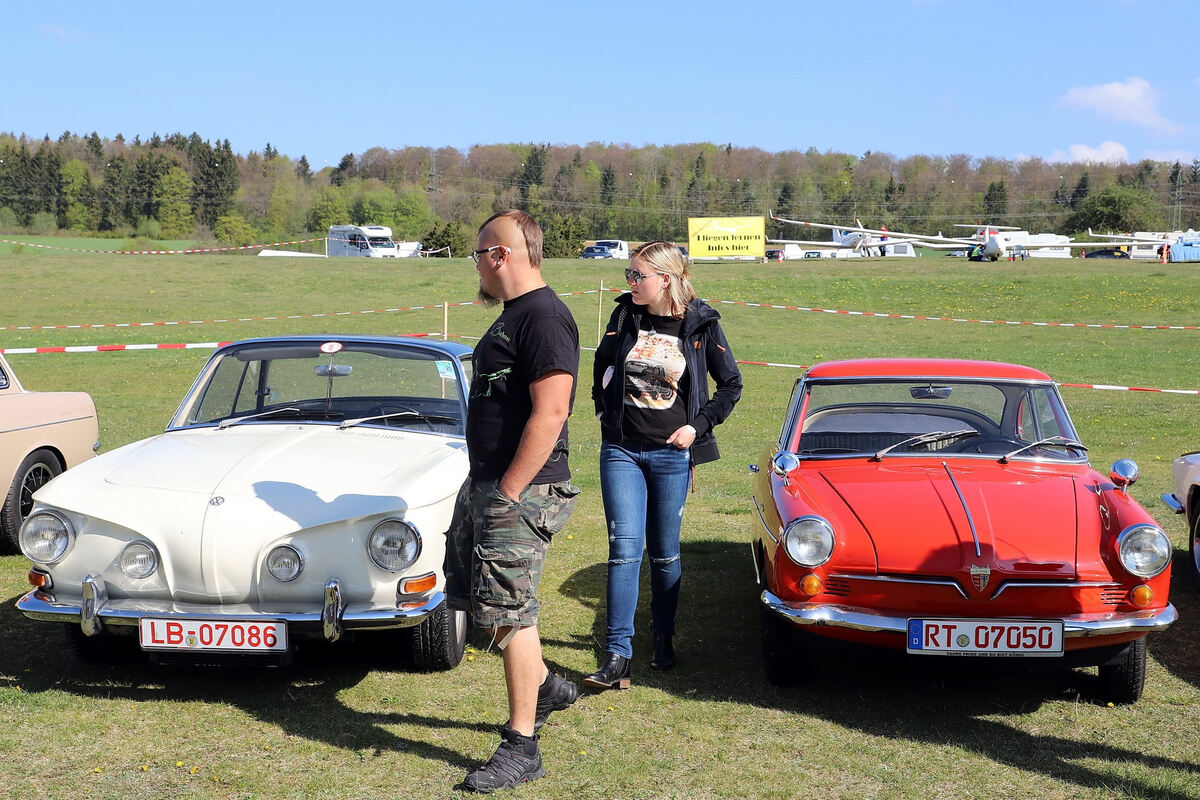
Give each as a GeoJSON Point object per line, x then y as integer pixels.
{"type": "Point", "coordinates": [534, 335]}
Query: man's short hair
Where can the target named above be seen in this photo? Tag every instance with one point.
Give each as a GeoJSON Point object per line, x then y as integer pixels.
{"type": "Point", "coordinates": [529, 229]}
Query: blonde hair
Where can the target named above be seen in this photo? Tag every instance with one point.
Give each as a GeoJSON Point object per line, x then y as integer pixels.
{"type": "Point", "coordinates": [665, 258]}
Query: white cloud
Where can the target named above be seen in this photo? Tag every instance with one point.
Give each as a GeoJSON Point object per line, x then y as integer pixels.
{"type": "Point", "coordinates": [1107, 153]}
{"type": "Point", "coordinates": [1133, 100]}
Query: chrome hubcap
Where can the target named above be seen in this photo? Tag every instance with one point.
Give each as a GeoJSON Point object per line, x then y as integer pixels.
{"type": "Point", "coordinates": [37, 477]}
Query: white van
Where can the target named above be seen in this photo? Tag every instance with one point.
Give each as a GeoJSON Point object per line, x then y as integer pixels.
{"type": "Point", "coordinates": [618, 248]}
{"type": "Point", "coordinates": [374, 241]}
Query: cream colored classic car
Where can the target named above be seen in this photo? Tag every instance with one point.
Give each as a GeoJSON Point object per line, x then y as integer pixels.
{"type": "Point", "coordinates": [41, 434]}
{"type": "Point", "coordinates": [301, 492]}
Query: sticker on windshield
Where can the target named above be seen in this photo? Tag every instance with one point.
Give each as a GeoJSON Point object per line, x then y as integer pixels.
{"type": "Point", "coordinates": [330, 348]}
{"type": "Point", "coordinates": [446, 370]}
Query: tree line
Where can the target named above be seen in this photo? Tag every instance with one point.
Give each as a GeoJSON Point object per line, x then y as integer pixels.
{"type": "Point", "coordinates": [185, 187]}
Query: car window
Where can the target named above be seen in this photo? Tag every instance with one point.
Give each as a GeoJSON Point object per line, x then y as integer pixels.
{"type": "Point", "coordinates": [360, 380]}
{"type": "Point", "coordinates": [3, 379]}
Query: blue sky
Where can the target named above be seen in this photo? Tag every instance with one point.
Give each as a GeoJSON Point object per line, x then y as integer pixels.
{"type": "Point", "coordinates": [1103, 80]}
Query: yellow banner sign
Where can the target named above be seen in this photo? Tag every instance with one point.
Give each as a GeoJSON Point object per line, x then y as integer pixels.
{"type": "Point", "coordinates": [723, 237]}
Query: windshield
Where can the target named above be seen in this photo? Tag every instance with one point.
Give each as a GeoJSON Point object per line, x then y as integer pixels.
{"type": "Point", "coordinates": [266, 382]}
{"type": "Point", "coordinates": [380, 241]}
{"type": "Point", "coordinates": [893, 417]}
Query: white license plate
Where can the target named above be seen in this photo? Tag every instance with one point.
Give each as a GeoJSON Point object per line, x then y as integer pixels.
{"type": "Point", "coordinates": [266, 636]}
{"type": "Point", "coordinates": [989, 637]}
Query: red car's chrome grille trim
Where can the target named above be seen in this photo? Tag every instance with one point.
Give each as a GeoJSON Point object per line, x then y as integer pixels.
{"type": "Point", "coordinates": [892, 579]}
{"type": "Point", "coordinates": [837, 585]}
{"type": "Point", "coordinates": [1104, 587]}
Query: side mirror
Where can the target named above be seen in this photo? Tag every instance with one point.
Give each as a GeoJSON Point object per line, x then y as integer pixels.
{"type": "Point", "coordinates": [783, 463]}
{"type": "Point", "coordinates": [1124, 473]}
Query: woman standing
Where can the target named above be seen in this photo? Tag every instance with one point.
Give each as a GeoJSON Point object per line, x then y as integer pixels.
{"type": "Point", "coordinates": [650, 388]}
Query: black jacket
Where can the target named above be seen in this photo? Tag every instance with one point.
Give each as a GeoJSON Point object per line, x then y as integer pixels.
{"type": "Point", "coordinates": [705, 351]}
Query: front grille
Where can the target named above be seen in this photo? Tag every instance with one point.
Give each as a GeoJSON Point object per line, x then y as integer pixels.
{"type": "Point", "coordinates": [837, 586]}
{"type": "Point", "coordinates": [1113, 596]}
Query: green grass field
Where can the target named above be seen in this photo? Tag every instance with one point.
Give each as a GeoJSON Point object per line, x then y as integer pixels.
{"type": "Point", "coordinates": [345, 722]}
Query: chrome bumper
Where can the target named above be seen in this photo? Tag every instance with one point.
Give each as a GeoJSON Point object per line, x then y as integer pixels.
{"type": "Point", "coordinates": [95, 610]}
{"type": "Point", "coordinates": [862, 619]}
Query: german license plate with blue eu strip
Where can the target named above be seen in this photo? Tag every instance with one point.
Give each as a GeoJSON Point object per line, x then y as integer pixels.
{"type": "Point", "coordinates": [985, 637]}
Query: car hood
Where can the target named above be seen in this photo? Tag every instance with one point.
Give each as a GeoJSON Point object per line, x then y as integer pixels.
{"type": "Point", "coordinates": [273, 478]}
{"type": "Point", "coordinates": [925, 519]}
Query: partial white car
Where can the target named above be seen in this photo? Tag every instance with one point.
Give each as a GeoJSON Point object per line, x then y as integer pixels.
{"type": "Point", "coordinates": [301, 491]}
{"type": "Point", "coordinates": [1185, 472]}
{"type": "Point", "coordinates": [41, 434]}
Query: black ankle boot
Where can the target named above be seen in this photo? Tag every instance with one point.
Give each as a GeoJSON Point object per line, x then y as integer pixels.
{"type": "Point", "coordinates": [614, 673]}
{"type": "Point", "coordinates": [664, 652]}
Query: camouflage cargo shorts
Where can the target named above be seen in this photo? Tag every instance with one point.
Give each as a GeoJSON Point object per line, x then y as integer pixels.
{"type": "Point", "coordinates": [495, 550]}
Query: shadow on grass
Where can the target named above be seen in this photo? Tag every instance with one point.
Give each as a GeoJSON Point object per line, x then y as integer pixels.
{"type": "Point", "coordinates": [301, 700]}
{"type": "Point", "coordinates": [938, 701]}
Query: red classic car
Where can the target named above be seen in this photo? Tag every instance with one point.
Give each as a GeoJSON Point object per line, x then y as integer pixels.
{"type": "Point", "coordinates": [946, 507]}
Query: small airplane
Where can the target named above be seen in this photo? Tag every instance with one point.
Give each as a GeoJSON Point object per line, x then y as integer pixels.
{"type": "Point", "coordinates": [857, 239]}
{"type": "Point", "coordinates": [989, 242]}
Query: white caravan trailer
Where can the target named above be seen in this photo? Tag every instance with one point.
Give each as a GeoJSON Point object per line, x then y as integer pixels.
{"type": "Point", "coordinates": [373, 241]}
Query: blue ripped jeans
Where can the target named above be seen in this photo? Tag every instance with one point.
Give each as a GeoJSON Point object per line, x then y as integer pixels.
{"type": "Point", "coordinates": [644, 489]}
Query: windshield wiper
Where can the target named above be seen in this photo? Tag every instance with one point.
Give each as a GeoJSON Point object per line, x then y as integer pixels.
{"type": "Point", "coordinates": [925, 438]}
{"type": "Point", "coordinates": [225, 423]}
{"type": "Point", "coordinates": [1059, 441]}
{"type": "Point", "coordinates": [421, 417]}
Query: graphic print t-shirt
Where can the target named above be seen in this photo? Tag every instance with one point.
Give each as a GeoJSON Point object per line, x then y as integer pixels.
{"type": "Point", "coordinates": [534, 335]}
{"type": "Point", "coordinates": [654, 374]}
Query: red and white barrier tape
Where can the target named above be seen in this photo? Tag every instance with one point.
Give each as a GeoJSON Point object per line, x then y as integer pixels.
{"type": "Point", "coordinates": [276, 317]}
{"type": "Point", "coordinates": [160, 252]}
{"type": "Point", "coordinates": [111, 348]}
{"type": "Point", "coordinates": [892, 315]}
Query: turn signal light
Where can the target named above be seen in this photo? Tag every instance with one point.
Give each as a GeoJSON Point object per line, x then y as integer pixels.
{"type": "Point", "coordinates": [811, 585]}
{"type": "Point", "coordinates": [39, 579]}
{"type": "Point", "coordinates": [418, 585]}
{"type": "Point", "coordinates": [1141, 596]}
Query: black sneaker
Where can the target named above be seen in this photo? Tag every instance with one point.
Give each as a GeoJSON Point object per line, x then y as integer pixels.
{"type": "Point", "coordinates": [555, 694]}
{"type": "Point", "coordinates": [512, 764]}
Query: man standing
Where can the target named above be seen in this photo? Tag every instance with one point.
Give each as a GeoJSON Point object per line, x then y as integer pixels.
{"type": "Point", "coordinates": [519, 491]}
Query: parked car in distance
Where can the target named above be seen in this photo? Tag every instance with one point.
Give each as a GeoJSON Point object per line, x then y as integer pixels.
{"type": "Point", "coordinates": [1185, 499]}
{"type": "Point", "coordinates": [1106, 252]}
{"type": "Point", "coordinates": [41, 434]}
{"type": "Point", "coordinates": [774, 255]}
{"type": "Point", "coordinates": [595, 251]}
{"type": "Point", "coordinates": [946, 507]}
{"type": "Point", "coordinates": [301, 492]}
{"type": "Point", "coordinates": [684, 252]}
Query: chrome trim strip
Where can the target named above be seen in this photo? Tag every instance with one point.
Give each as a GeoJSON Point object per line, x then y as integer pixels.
{"type": "Point", "coordinates": [1055, 585]}
{"type": "Point", "coordinates": [758, 510]}
{"type": "Point", "coordinates": [1173, 502]}
{"type": "Point", "coordinates": [890, 579]}
{"type": "Point", "coordinates": [865, 619]}
{"type": "Point", "coordinates": [47, 607]}
{"type": "Point", "coordinates": [961, 499]}
{"type": "Point", "coordinates": [45, 424]}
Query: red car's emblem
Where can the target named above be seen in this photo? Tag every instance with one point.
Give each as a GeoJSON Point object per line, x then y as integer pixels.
{"type": "Point", "coordinates": [980, 577]}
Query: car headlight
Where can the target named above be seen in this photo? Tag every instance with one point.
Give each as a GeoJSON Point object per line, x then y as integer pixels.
{"type": "Point", "coordinates": [46, 537]}
{"type": "Point", "coordinates": [139, 560]}
{"type": "Point", "coordinates": [394, 545]}
{"type": "Point", "coordinates": [1144, 550]}
{"type": "Point", "coordinates": [808, 541]}
{"type": "Point", "coordinates": [285, 563]}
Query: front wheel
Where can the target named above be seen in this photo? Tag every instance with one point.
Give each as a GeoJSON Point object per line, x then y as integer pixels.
{"type": "Point", "coordinates": [1194, 549]}
{"type": "Point", "coordinates": [437, 644]}
{"type": "Point", "coordinates": [35, 471]}
{"type": "Point", "coordinates": [1122, 681]}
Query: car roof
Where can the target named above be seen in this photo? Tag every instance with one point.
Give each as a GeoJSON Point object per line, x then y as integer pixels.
{"type": "Point", "coordinates": [923, 368]}
{"type": "Point", "coordinates": [452, 349]}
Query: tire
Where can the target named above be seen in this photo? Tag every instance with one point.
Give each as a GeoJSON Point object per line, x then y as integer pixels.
{"type": "Point", "coordinates": [1122, 681]}
{"type": "Point", "coordinates": [437, 644]}
{"type": "Point", "coordinates": [1194, 550]}
{"type": "Point", "coordinates": [783, 658]}
{"type": "Point", "coordinates": [35, 471]}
